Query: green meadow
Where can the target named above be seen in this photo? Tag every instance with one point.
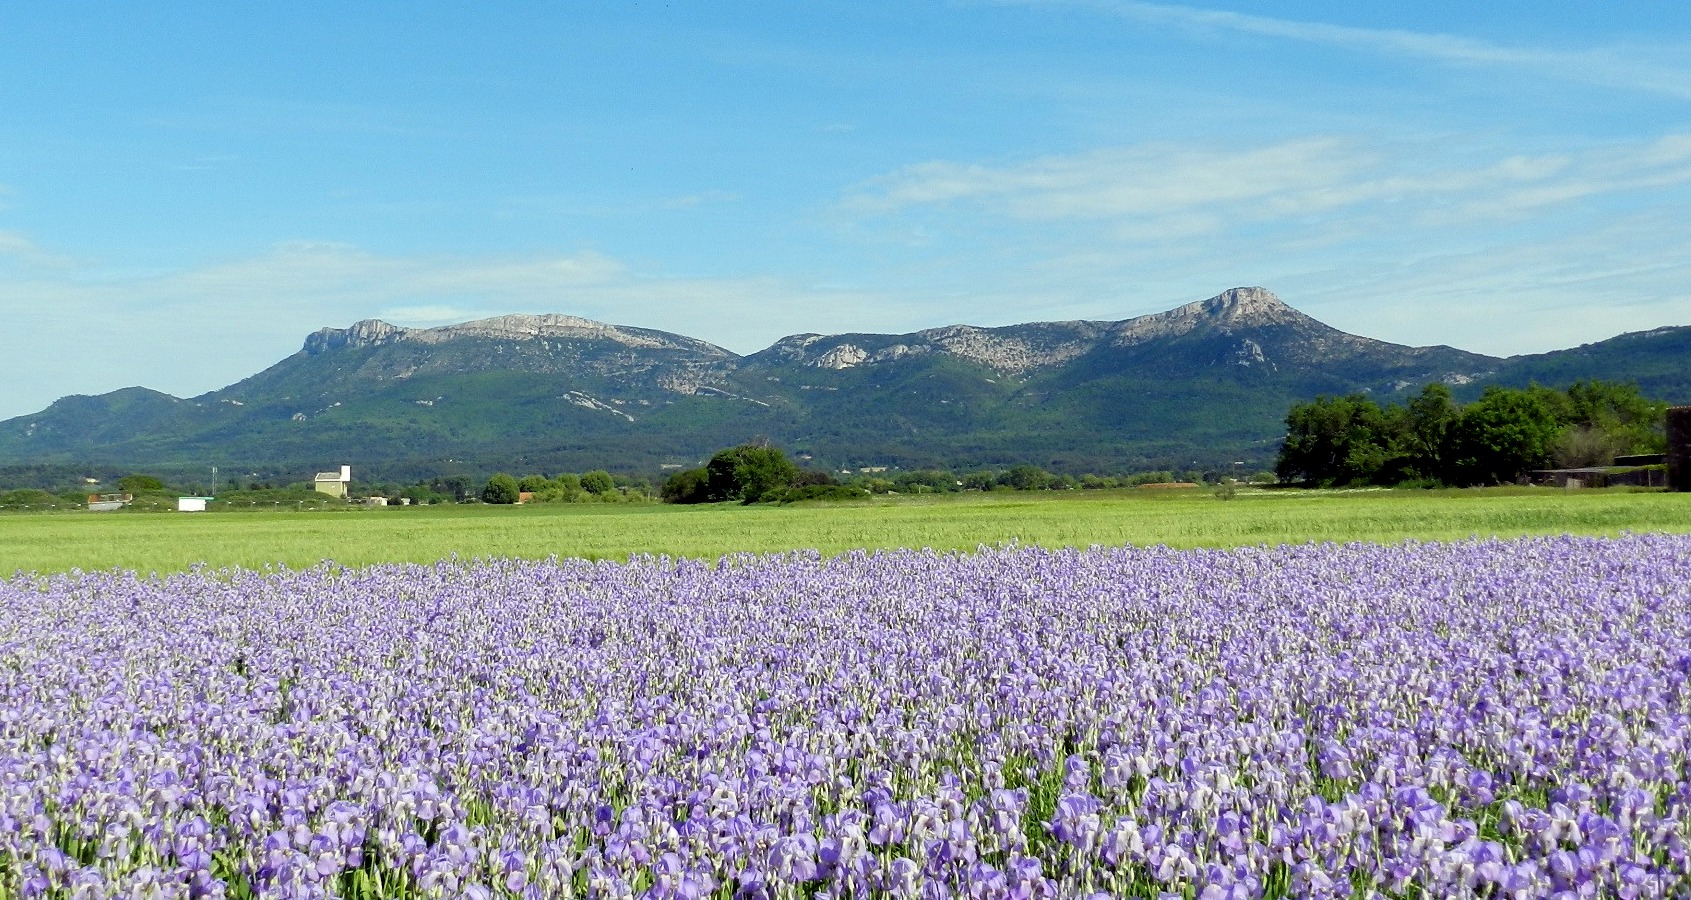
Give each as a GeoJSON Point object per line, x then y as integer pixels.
{"type": "Point", "coordinates": [164, 542]}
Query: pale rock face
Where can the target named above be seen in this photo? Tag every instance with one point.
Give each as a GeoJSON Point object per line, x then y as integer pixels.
{"type": "Point", "coordinates": [842, 357]}
{"type": "Point", "coordinates": [367, 333]}
{"type": "Point", "coordinates": [1249, 353]}
{"type": "Point", "coordinates": [373, 332]}
{"type": "Point", "coordinates": [1010, 354]}
{"type": "Point", "coordinates": [898, 351]}
{"type": "Point", "coordinates": [1245, 307]}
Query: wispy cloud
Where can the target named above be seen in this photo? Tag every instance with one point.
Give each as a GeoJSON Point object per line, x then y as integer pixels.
{"type": "Point", "coordinates": [1462, 243]}
{"type": "Point", "coordinates": [1143, 180]}
{"type": "Point", "coordinates": [1610, 67]}
{"type": "Point", "coordinates": [1184, 189]}
{"type": "Point", "coordinates": [20, 249]}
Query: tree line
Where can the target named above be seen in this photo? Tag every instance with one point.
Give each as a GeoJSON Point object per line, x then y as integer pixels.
{"type": "Point", "coordinates": [597, 486]}
{"type": "Point", "coordinates": [1498, 439]}
{"type": "Point", "coordinates": [758, 473]}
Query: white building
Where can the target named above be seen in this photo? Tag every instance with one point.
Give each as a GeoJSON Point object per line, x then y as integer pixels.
{"type": "Point", "coordinates": [191, 504]}
{"type": "Point", "coordinates": [334, 484]}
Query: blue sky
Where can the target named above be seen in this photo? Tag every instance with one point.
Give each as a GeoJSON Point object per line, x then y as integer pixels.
{"type": "Point", "coordinates": [187, 190]}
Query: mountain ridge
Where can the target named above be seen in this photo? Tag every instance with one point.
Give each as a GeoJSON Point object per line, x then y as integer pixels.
{"type": "Point", "coordinates": [1207, 379]}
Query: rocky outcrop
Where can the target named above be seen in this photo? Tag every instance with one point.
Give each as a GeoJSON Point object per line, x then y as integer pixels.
{"type": "Point", "coordinates": [374, 332]}
{"type": "Point", "coordinates": [1017, 349]}
{"type": "Point", "coordinates": [1231, 310]}
{"type": "Point", "coordinates": [368, 333]}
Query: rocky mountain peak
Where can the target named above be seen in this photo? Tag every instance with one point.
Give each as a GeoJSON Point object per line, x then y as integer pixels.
{"type": "Point", "coordinates": [1235, 308]}
{"type": "Point", "coordinates": [367, 333]}
{"type": "Point", "coordinates": [1248, 305]}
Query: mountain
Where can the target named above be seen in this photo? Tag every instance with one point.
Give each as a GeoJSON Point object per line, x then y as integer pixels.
{"type": "Point", "coordinates": [1658, 361]}
{"type": "Point", "coordinates": [1206, 384]}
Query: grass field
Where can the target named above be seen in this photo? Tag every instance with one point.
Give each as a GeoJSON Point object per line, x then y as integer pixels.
{"type": "Point", "coordinates": [172, 541]}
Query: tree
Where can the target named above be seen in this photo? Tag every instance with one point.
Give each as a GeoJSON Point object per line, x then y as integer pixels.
{"type": "Point", "coordinates": [598, 481]}
{"type": "Point", "coordinates": [533, 483]}
{"type": "Point", "coordinates": [1618, 416]}
{"type": "Point", "coordinates": [1026, 478]}
{"type": "Point", "coordinates": [1335, 440]}
{"type": "Point", "coordinates": [137, 484]}
{"type": "Point", "coordinates": [455, 486]}
{"type": "Point", "coordinates": [1426, 433]}
{"type": "Point", "coordinates": [687, 486]}
{"type": "Point", "coordinates": [748, 472]}
{"type": "Point", "coordinates": [567, 483]}
{"type": "Point", "coordinates": [1503, 435]}
{"type": "Point", "coordinates": [926, 481]}
{"type": "Point", "coordinates": [501, 488]}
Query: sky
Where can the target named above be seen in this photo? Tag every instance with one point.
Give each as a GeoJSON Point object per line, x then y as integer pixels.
{"type": "Point", "coordinates": [189, 189]}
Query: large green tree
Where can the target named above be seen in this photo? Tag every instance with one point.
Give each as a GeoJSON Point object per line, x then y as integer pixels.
{"type": "Point", "coordinates": [1503, 435]}
{"type": "Point", "coordinates": [1428, 421]}
{"type": "Point", "coordinates": [501, 488]}
{"type": "Point", "coordinates": [748, 473]}
{"type": "Point", "coordinates": [1602, 420]}
{"type": "Point", "coordinates": [598, 481]}
{"type": "Point", "coordinates": [136, 484]}
{"type": "Point", "coordinates": [687, 486]}
{"type": "Point", "coordinates": [1335, 440]}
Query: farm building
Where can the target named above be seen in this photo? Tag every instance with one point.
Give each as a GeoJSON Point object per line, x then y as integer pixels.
{"type": "Point", "coordinates": [108, 502]}
{"type": "Point", "coordinates": [1679, 448]}
{"type": "Point", "coordinates": [335, 484]}
{"type": "Point", "coordinates": [1636, 474]}
{"type": "Point", "coordinates": [192, 504]}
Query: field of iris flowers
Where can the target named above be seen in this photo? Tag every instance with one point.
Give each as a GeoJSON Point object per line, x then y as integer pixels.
{"type": "Point", "coordinates": [1477, 718]}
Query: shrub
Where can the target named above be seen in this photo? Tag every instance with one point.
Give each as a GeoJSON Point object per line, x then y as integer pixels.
{"type": "Point", "coordinates": [687, 486]}
{"type": "Point", "coordinates": [501, 489]}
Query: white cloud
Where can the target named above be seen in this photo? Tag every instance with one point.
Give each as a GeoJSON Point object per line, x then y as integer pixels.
{"type": "Point", "coordinates": [1149, 179]}
{"type": "Point", "coordinates": [1610, 67]}
{"type": "Point", "coordinates": [1183, 190]}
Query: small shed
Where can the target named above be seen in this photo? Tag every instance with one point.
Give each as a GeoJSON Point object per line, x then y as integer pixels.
{"type": "Point", "coordinates": [1679, 448]}
{"type": "Point", "coordinates": [1602, 476]}
{"type": "Point", "coordinates": [192, 504]}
